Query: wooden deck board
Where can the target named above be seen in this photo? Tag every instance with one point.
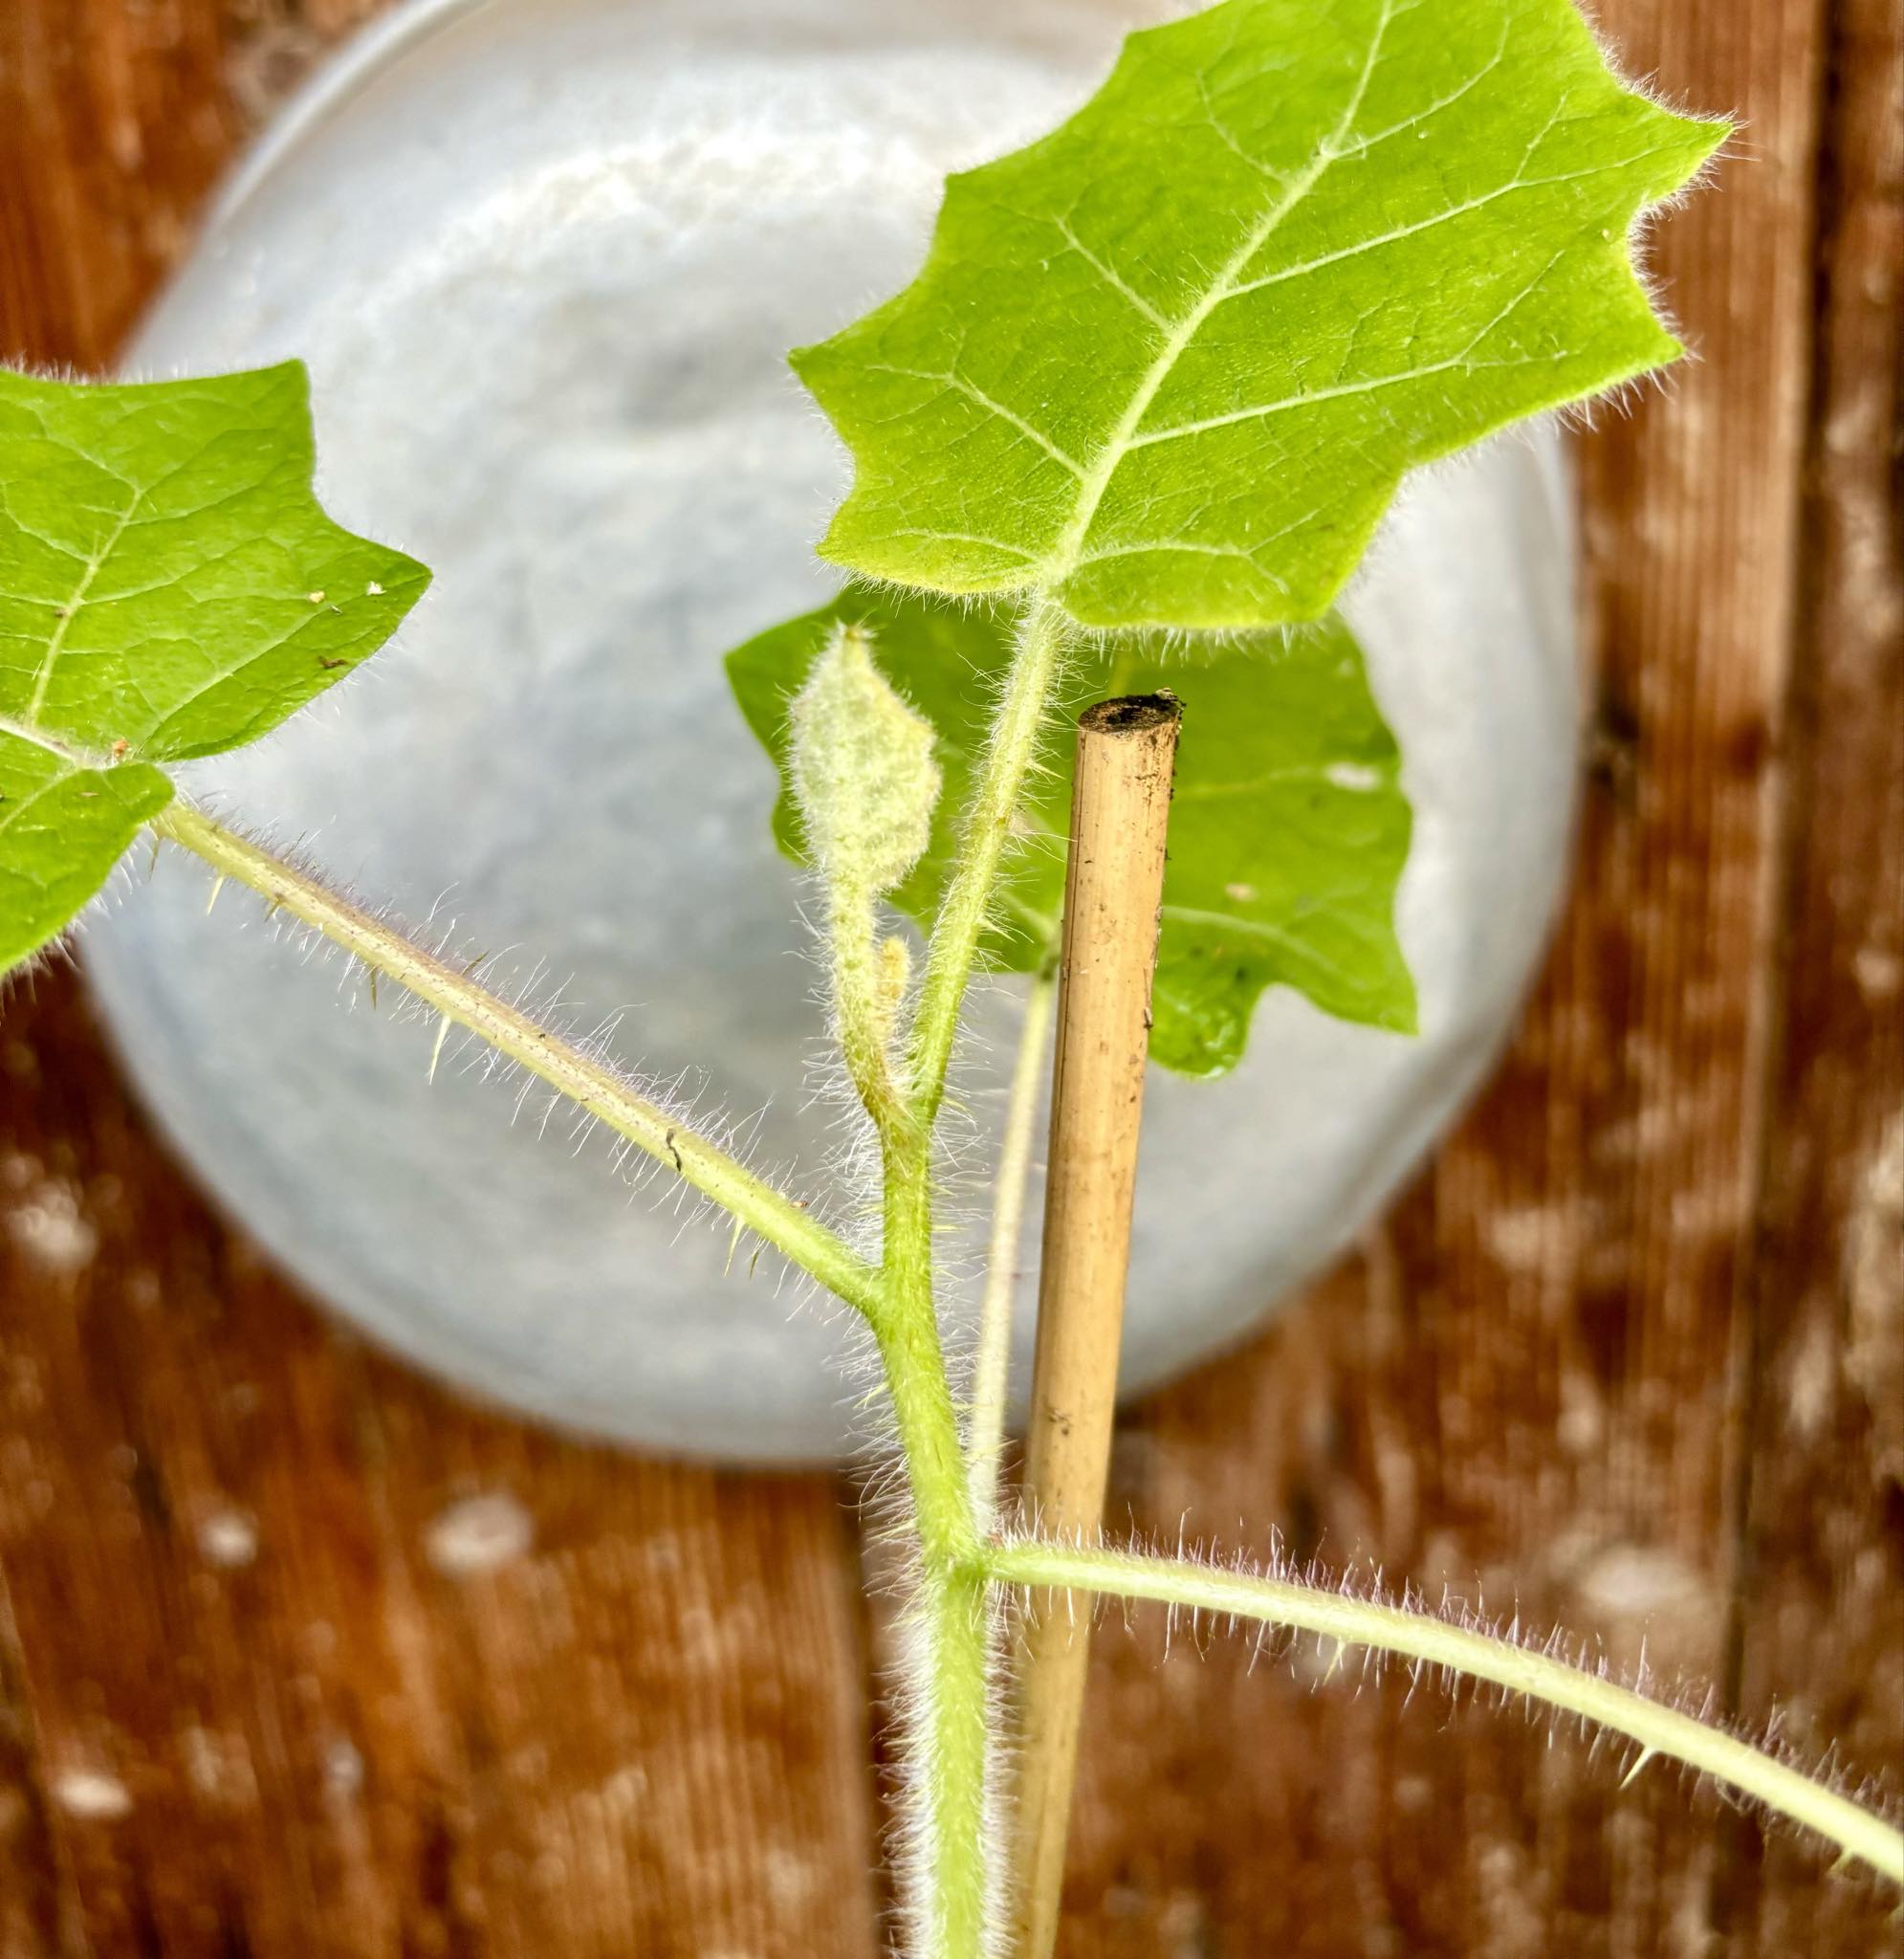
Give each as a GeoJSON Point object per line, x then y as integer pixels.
{"type": "Point", "coordinates": [297, 1653]}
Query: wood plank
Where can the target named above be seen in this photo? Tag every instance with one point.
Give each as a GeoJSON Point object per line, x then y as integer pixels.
{"type": "Point", "coordinates": [1620, 1354]}
{"type": "Point", "coordinates": [1532, 1383]}
{"type": "Point", "coordinates": [304, 1654]}
{"type": "Point", "coordinates": [1820, 1592]}
{"type": "Point", "coordinates": [313, 1652]}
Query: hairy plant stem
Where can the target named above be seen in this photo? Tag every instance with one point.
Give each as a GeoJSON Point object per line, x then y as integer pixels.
{"type": "Point", "coordinates": [985, 1420]}
{"type": "Point", "coordinates": [866, 989]}
{"type": "Point", "coordinates": [948, 1751]}
{"type": "Point", "coordinates": [589, 1083]}
{"type": "Point", "coordinates": [1659, 1731]}
{"type": "Point", "coordinates": [951, 1750]}
{"type": "Point", "coordinates": [948, 1747]}
{"type": "Point", "coordinates": [987, 828]}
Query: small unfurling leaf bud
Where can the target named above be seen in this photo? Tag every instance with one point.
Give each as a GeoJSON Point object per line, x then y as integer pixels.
{"type": "Point", "coordinates": [862, 770]}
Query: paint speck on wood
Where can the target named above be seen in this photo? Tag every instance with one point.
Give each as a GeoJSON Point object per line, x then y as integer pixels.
{"type": "Point", "coordinates": [92, 1796]}
{"type": "Point", "coordinates": [228, 1539]}
{"type": "Point", "coordinates": [481, 1533]}
{"type": "Point", "coordinates": [45, 1217]}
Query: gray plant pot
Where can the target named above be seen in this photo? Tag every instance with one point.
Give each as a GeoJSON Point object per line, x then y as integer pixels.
{"type": "Point", "coordinates": [544, 258]}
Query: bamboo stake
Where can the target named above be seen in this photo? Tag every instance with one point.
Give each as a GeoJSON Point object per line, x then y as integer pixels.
{"type": "Point", "coordinates": [1126, 755]}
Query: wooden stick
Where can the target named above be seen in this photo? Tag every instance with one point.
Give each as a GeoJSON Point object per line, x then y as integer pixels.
{"type": "Point", "coordinates": [1120, 808]}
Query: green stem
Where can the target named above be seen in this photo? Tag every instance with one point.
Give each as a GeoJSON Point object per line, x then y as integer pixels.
{"type": "Point", "coordinates": [868, 985]}
{"type": "Point", "coordinates": [985, 1423]}
{"type": "Point", "coordinates": [988, 827]}
{"type": "Point", "coordinates": [1659, 1731]}
{"type": "Point", "coordinates": [950, 1685]}
{"type": "Point", "coordinates": [954, 1684]}
{"type": "Point", "coordinates": [950, 1756]}
{"type": "Point", "coordinates": [588, 1083]}
{"type": "Point", "coordinates": [950, 1680]}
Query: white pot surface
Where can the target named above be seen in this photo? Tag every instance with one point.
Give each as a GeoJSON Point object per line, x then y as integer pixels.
{"type": "Point", "coordinates": [544, 258]}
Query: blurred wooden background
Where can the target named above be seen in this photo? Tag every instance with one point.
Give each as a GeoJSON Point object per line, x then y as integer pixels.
{"type": "Point", "coordinates": [300, 1655]}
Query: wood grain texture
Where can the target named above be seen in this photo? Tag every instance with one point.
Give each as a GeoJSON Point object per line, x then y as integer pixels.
{"type": "Point", "coordinates": [1820, 1508]}
{"type": "Point", "coordinates": [1551, 1380]}
{"type": "Point", "coordinates": [303, 1651]}
{"type": "Point", "coordinates": [304, 1654]}
{"type": "Point", "coordinates": [298, 1654]}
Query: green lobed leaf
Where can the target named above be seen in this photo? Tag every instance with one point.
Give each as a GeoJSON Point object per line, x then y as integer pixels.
{"type": "Point", "coordinates": [171, 581]}
{"type": "Point", "coordinates": [1288, 833]}
{"type": "Point", "coordinates": [1170, 363]}
{"type": "Point", "coordinates": [170, 587]}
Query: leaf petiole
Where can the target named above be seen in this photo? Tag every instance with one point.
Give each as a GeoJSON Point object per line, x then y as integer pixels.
{"type": "Point", "coordinates": [1418, 1636]}
{"type": "Point", "coordinates": [985, 1422]}
{"type": "Point", "coordinates": [591, 1085]}
{"type": "Point", "coordinates": [987, 826]}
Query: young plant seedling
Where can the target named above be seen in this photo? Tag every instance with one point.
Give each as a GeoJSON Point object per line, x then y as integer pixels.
{"type": "Point", "coordinates": [1132, 426]}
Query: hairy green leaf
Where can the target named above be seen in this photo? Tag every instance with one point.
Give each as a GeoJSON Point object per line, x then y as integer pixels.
{"type": "Point", "coordinates": [1288, 833]}
{"type": "Point", "coordinates": [171, 581]}
{"type": "Point", "coordinates": [170, 587]}
{"type": "Point", "coordinates": [1170, 363]}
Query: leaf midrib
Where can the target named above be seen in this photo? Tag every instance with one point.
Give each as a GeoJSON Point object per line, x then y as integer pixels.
{"type": "Point", "coordinates": [1096, 480]}
{"type": "Point", "coordinates": [57, 645]}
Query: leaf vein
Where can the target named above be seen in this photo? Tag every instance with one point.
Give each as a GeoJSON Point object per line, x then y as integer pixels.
{"type": "Point", "coordinates": [1110, 276]}
{"type": "Point", "coordinates": [1105, 464]}
{"type": "Point", "coordinates": [974, 392]}
{"type": "Point", "coordinates": [56, 643]}
{"type": "Point", "coordinates": [965, 538]}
